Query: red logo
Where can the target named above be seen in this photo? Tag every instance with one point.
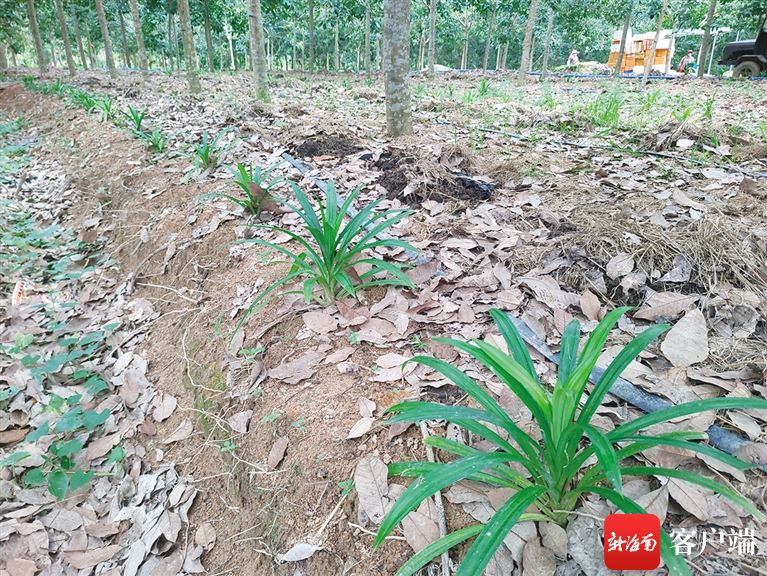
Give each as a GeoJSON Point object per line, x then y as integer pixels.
{"type": "Point", "coordinates": [632, 541]}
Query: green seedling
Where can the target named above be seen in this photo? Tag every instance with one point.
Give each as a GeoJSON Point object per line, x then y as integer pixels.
{"type": "Point", "coordinates": [106, 105]}
{"type": "Point", "coordinates": [134, 118]}
{"type": "Point", "coordinates": [156, 140]}
{"type": "Point", "coordinates": [552, 473]}
{"type": "Point", "coordinates": [253, 183]}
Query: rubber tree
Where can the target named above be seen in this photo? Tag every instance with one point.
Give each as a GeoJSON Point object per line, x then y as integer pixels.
{"type": "Point", "coordinates": [432, 35]}
{"type": "Point", "coordinates": [187, 41]}
{"type": "Point", "coordinates": [706, 41]}
{"type": "Point", "coordinates": [491, 19]}
{"type": "Point", "coordinates": [123, 37]}
{"type": "Point", "coordinates": [208, 34]}
{"type": "Point", "coordinates": [311, 36]}
{"type": "Point", "coordinates": [547, 46]}
{"type": "Point", "coordinates": [65, 37]}
{"type": "Point", "coordinates": [648, 65]}
{"type": "Point", "coordinates": [527, 43]}
{"type": "Point", "coordinates": [396, 67]}
{"type": "Point", "coordinates": [105, 35]}
{"type": "Point", "coordinates": [139, 38]}
{"type": "Point", "coordinates": [257, 51]}
{"type": "Point", "coordinates": [79, 39]}
{"type": "Point", "coordinates": [624, 38]}
{"type": "Point", "coordinates": [367, 39]}
{"type": "Point", "coordinates": [36, 37]}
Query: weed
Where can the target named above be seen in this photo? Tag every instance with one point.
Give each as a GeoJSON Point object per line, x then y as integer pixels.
{"type": "Point", "coordinates": [329, 265]}
{"type": "Point", "coordinates": [354, 338]}
{"type": "Point", "coordinates": [58, 88]}
{"type": "Point", "coordinates": [250, 353]}
{"type": "Point", "coordinates": [684, 115]}
{"type": "Point", "coordinates": [554, 477]}
{"type": "Point", "coordinates": [708, 108]}
{"type": "Point", "coordinates": [469, 96]}
{"type": "Point", "coordinates": [299, 424]}
{"type": "Point", "coordinates": [251, 181]}
{"type": "Point", "coordinates": [417, 343]}
{"type": "Point", "coordinates": [227, 446]}
{"type": "Point", "coordinates": [483, 90]}
{"type": "Point", "coordinates": [347, 487]}
{"type": "Point", "coordinates": [271, 417]}
{"type": "Point", "coordinates": [83, 99]}
{"type": "Point", "coordinates": [134, 118]}
{"type": "Point", "coordinates": [604, 110]}
{"type": "Point", "coordinates": [419, 90]}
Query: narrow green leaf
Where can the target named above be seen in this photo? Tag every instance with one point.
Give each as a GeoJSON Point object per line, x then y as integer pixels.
{"type": "Point", "coordinates": [517, 346]}
{"type": "Point", "coordinates": [606, 456]}
{"type": "Point", "coordinates": [436, 548]}
{"type": "Point", "coordinates": [13, 458]}
{"type": "Point", "coordinates": [568, 352]}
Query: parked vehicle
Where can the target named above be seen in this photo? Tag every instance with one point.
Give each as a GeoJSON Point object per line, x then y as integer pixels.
{"type": "Point", "coordinates": [748, 56]}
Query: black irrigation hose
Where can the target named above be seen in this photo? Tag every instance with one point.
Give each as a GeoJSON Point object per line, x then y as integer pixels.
{"type": "Point", "coordinates": [718, 437]}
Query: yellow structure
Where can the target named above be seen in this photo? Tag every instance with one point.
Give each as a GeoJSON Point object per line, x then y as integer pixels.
{"type": "Point", "coordinates": [638, 48]}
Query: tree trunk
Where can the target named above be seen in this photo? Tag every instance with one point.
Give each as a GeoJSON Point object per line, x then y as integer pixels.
{"type": "Point", "coordinates": [367, 39]}
{"type": "Point", "coordinates": [505, 55]}
{"type": "Point", "coordinates": [126, 51]}
{"type": "Point", "coordinates": [65, 36]}
{"type": "Point", "coordinates": [488, 39]}
{"type": "Point", "coordinates": [170, 43]}
{"type": "Point", "coordinates": [396, 64]}
{"type": "Point", "coordinates": [77, 35]}
{"type": "Point", "coordinates": [208, 35]}
{"type": "Point", "coordinates": [622, 47]}
{"type": "Point", "coordinates": [337, 48]}
{"type": "Point", "coordinates": [295, 53]}
{"type": "Point", "coordinates": [311, 36]}
{"type": "Point", "coordinates": [13, 58]}
{"type": "Point", "coordinates": [105, 36]}
{"type": "Point", "coordinates": [3, 57]}
{"type": "Point", "coordinates": [465, 53]}
{"type": "Point", "coordinates": [303, 52]}
{"type": "Point", "coordinates": [190, 54]}
{"type": "Point", "coordinates": [531, 59]}
{"type": "Point", "coordinates": [36, 37]}
{"type": "Point", "coordinates": [547, 48]}
{"type": "Point", "coordinates": [174, 35]}
{"type": "Point", "coordinates": [228, 32]}
{"type": "Point", "coordinates": [526, 52]}
{"type": "Point", "coordinates": [670, 53]}
{"type": "Point", "coordinates": [432, 34]}
{"type": "Point", "coordinates": [91, 52]}
{"type": "Point", "coordinates": [421, 47]}
{"type": "Point", "coordinates": [53, 62]}
{"type": "Point", "coordinates": [648, 65]}
{"type": "Point", "coordinates": [705, 44]}
{"type": "Point", "coordinates": [139, 39]}
{"type": "Point", "coordinates": [258, 55]}
{"type": "Point", "coordinates": [498, 57]}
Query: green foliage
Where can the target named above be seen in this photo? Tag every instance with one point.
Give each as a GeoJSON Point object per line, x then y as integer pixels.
{"type": "Point", "coordinates": [58, 88]}
{"type": "Point", "coordinates": [156, 140]}
{"type": "Point", "coordinates": [555, 477]}
{"type": "Point", "coordinates": [252, 182]}
{"type": "Point", "coordinates": [483, 89]}
{"type": "Point", "coordinates": [134, 118]}
{"type": "Point", "coordinates": [604, 110]}
{"type": "Point", "coordinates": [347, 487]}
{"type": "Point", "coordinates": [106, 105]}
{"type": "Point", "coordinates": [328, 267]}
{"type": "Point", "coordinates": [206, 153]}
{"type": "Point", "coordinates": [83, 99]}
{"type": "Point", "coordinates": [708, 108]}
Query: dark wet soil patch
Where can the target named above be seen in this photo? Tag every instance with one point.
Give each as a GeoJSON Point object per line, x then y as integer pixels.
{"type": "Point", "coordinates": [327, 146]}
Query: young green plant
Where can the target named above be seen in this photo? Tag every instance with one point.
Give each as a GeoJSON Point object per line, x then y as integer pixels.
{"type": "Point", "coordinates": [556, 471]}
{"type": "Point", "coordinates": [206, 153]}
{"type": "Point", "coordinates": [252, 182]}
{"type": "Point", "coordinates": [327, 262]}
{"type": "Point", "coordinates": [156, 140]}
{"type": "Point", "coordinates": [134, 118]}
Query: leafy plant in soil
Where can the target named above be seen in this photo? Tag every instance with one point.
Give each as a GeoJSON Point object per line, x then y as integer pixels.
{"type": "Point", "coordinates": [555, 465]}
{"type": "Point", "coordinates": [206, 153]}
{"type": "Point", "coordinates": [106, 105]}
{"type": "Point", "coordinates": [134, 118]}
{"type": "Point", "coordinates": [251, 181]}
{"type": "Point", "coordinates": [82, 98]}
{"type": "Point", "coordinates": [328, 261]}
{"type": "Point", "coordinates": [156, 140]}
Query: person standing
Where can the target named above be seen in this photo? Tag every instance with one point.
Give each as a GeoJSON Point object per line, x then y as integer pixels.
{"type": "Point", "coordinates": [573, 61]}
{"type": "Point", "coordinates": [686, 63]}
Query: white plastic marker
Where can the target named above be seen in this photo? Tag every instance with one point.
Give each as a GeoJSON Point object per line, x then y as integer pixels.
{"type": "Point", "coordinates": [19, 292]}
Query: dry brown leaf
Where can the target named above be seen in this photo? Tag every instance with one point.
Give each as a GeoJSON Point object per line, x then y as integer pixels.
{"type": "Point", "coordinates": [419, 528]}
{"type": "Point", "coordinates": [554, 537]}
{"type": "Point", "coordinates": [656, 502]}
{"type": "Point", "coordinates": [183, 432]}
{"type": "Point", "coordinates": [320, 322]}
{"type": "Point", "coordinates": [421, 274]}
{"type": "Point", "coordinates": [745, 423]}
{"type": "Point", "coordinates": [339, 355]}
{"type": "Point", "coordinates": [165, 404]}
{"type": "Point", "coordinates": [590, 305]}
{"type": "Point", "coordinates": [537, 561]}
{"type": "Point", "coordinates": [297, 370]}
{"type": "Point", "coordinates": [361, 427]}
{"type": "Point", "coordinates": [299, 551]}
{"type": "Point", "coordinates": [690, 497]}
{"type": "Point", "coordinates": [683, 200]}
{"type": "Point", "coordinates": [619, 265]}
{"type": "Point", "coordinates": [101, 446]}
{"type": "Point", "coordinates": [239, 422]}
{"type": "Point", "coordinates": [205, 536]}
{"type": "Point", "coordinates": [666, 305]}
{"type": "Point", "coordinates": [687, 342]}
{"type": "Point", "coordinates": [83, 560]}
{"type": "Point", "coordinates": [752, 452]}
{"type": "Point", "coordinates": [370, 482]}
{"type": "Point", "coordinates": [367, 407]}
{"type": "Point", "coordinates": [277, 453]}
{"type": "Point", "coordinates": [20, 567]}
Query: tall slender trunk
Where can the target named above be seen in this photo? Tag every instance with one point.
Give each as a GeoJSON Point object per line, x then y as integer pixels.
{"type": "Point", "coordinates": [208, 35]}
{"type": "Point", "coordinates": [3, 57]}
{"type": "Point", "coordinates": [532, 56]}
{"type": "Point", "coordinates": [54, 62]}
{"type": "Point", "coordinates": [396, 32]}
{"type": "Point", "coordinates": [170, 42]}
{"type": "Point", "coordinates": [622, 47]}
{"type": "Point", "coordinates": [705, 44]}
{"type": "Point", "coordinates": [432, 34]}
{"type": "Point", "coordinates": [105, 36]}
{"type": "Point", "coordinates": [498, 57]}
{"type": "Point", "coordinates": [526, 45]}
{"type": "Point", "coordinates": [303, 51]}
{"type": "Point", "coordinates": [547, 48]}
{"type": "Point", "coordinates": [648, 64]}
{"type": "Point", "coordinates": [670, 52]}
{"type": "Point", "coordinates": [258, 56]}
{"type": "Point", "coordinates": [421, 48]}
{"type": "Point", "coordinates": [65, 37]}
{"type": "Point", "coordinates": [190, 54]}
{"type": "Point", "coordinates": [311, 36]}
{"type": "Point", "coordinates": [126, 50]}
{"type": "Point", "coordinates": [77, 35]}
{"type": "Point", "coordinates": [465, 53]}
{"type": "Point", "coordinates": [379, 53]}
{"type": "Point", "coordinates": [336, 47]}
{"type": "Point", "coordinates": [228, 32]}
{"type": "Point", "coordinates": [139, 39]}
{"type": "Point", "coordinates": [505, 55]}
{"type": "Point", "coordinates": [91, 52]}
{"type": "Point", "coordinates": [13, 58]}
{"type": "Point", "coordinates": [176, 51]}
{"type": "Point", "coordinates": [293, 65]}
{"type": "Point", "coordinates": [488, 39]}
{"type": "Point", "coordinates": [367, 38]}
